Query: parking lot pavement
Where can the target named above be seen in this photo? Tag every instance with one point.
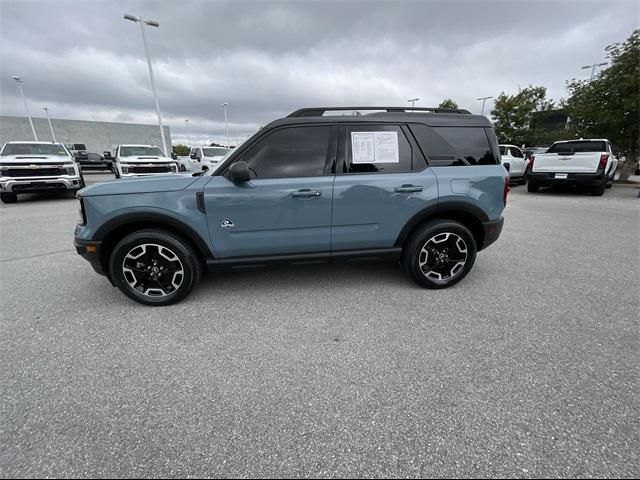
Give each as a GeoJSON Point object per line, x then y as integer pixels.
{"type": "Point", "coordinates": [527, 368]}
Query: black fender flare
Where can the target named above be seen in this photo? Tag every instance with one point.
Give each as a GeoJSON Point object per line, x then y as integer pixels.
{"type": "Point", "coordinates": [440, 209]}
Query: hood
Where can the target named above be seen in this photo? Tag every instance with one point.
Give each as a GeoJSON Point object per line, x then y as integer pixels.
{"type": "Point", "coordinates": [161, 183]}
{"type": "Point", "coordinates": [145, 159]}
{"type": "Point", "coordinates": [35, 159]}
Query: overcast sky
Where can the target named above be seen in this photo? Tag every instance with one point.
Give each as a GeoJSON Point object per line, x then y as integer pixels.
{"type": "Point", "coordinates": [84, 61]}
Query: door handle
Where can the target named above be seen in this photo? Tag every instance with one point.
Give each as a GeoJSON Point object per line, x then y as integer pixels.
{"type": "Point", "coordinates": [408, 189]}
{"type": "Point", "coordinates": [305, 193]}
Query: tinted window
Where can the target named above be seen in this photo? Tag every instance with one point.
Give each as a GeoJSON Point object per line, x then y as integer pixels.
{"type": "Point", "coordinates": [503, 150]}
{"type": "Point", "coordinates": [455, 146]}
{"type": "Point", "coordinates": [140, 151]}
{"type": "Point", "coordinates": [386, 146]}
{"type": "Point", "coordinates": [515, 152]}
{"type": "Point", "coordinates": [290, 152]}
{"type": "Point", "coordinates": [215, 152]}
{"type": "Point", "coordinates": [578, 146]}
{"type": "Point", "coordinates": [34, 149]}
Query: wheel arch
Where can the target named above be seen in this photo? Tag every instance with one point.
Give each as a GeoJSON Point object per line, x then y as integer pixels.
{"type": "Point", "coordinates": [468, 215]}
{"type": "Point", "coordinates": [116, 229]}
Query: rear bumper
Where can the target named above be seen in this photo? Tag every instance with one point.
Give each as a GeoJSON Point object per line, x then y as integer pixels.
{"type": "Point", "coordinates": [492, 231]}
{"type": "Point", "coordinates": [547, 179]}
{"type": "Point", "coordinates": [25, 185]}
{"type": "Point", "coordinates": [93, 256]}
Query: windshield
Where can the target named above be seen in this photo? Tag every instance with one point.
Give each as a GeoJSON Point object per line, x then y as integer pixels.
{"type": "Point", "coordinates": [214, 152]}
{"type": "Point", "coordinates": [141, 152]}
{"type": "Point", "coordinates": [577, 147]}
{"type": "Point", "coordinates": [34, 149]}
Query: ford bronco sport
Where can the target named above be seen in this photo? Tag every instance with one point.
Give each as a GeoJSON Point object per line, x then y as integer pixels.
{"type": "Point", "coordinates": [424, 187]}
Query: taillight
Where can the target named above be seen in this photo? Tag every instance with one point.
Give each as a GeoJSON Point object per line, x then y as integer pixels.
{"type": "Point", "coordinates": [603, 161]}
{"type": "Point", "coordinates": [505, 191]}
{"type": "Point", "coordinates": [531, 159]}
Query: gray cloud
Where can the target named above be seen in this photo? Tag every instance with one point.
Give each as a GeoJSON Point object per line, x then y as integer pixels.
{"type": "Point", "coordinates": [82, 60]}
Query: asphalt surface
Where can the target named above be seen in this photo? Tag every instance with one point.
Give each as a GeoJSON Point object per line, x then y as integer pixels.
{"type": "Point", "coordinates": [527, 368]}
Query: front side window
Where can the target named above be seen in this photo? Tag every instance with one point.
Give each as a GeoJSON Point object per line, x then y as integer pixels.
{"type": "Point", "coordinates": [290, 152]}
{"type": "Point", "coordinates": [377, 148]}
{"type": "Point", "coordinates": [515, 152]}
{"type": "Point", "coordinates": [34, 149]}
{"type": "Point", "coordinates": [134, 151]}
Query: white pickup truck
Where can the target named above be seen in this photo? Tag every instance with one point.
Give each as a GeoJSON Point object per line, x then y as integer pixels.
{"type": "Point", "coordinates": [590, 163]}
{"type": "Point", "coordinates": [27, 167]}
{"type": "Point", "coordinates": [138, 160]}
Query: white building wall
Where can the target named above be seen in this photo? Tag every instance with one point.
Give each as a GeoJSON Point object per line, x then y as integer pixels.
{"type": "Point", "coordinates": [97, 136]}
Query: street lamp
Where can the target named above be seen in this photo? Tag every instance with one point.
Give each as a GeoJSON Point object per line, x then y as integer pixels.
{"type": "Point", "coordinates": [593, 67]}
{"type": "Point", "coordinates": [484, 99]}
{"type": "Point", "coordinates": [26, 108]}
{"type": "Point", "coordinates": [226, 124]}
{"type": "Point", "coordinates": [151, 23]}
{"type": "Point", "coordinates": [53, 135]}
{"type": "Point", "coordinates": [413, 101]}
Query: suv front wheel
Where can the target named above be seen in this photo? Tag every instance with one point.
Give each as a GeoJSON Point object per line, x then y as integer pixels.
{"type": "Point", "coordinates": [155, 267]}
{"type": "Point", "coordinates": [440, 254]}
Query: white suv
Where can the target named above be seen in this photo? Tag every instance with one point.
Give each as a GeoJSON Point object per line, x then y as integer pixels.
{"type": "Point", "coordinates": [207, 157]}
{"type": "Point", "coordinates": [518, 164]}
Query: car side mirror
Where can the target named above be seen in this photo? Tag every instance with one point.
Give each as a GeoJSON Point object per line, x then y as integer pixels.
{"type": "Point", "coordinates": [193, 156]}
{"type": "Point", "coordinates": [239, 172]}
{"type": "Point", "coordinates": [507, 166]}
{"type": "Point", "coordinates": [174, 156]}
{"type": "Point", "coordinates": [107, 155]}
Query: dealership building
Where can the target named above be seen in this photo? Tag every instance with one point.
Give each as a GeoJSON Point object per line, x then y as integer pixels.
{"type": "Point", "coordinates": [97, 136]}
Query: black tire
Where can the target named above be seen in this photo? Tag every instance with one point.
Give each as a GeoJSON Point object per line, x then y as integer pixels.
{"type": "Point", "coordinates": [532, 187]}
{"type": "Point", "coordinates": [9, 197]}
{"type": "Point", "coordinates": [147, 245]}
{"type": "Point", "coordinates": [525, 178]}
{"type": "Point", "coordinates": [598, 191]}
{"type": "Point", "coordinates": [425, 241]}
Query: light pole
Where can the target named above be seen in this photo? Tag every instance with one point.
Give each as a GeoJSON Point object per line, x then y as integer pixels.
{"type": "Point", "coordinates": [593, 67]}
{"type": "Point", "coordinates": [188, 137]}
{"type": "Point", "coordinates": [151, 23]}
{"type": "Point", "coordinates": [413, 101]}
{"type": "Point", "coordinates": [226, 124]}
{"type": "Point", "coordinates": [484, 99]}
{"type": "Point", "coordinates": [26, 108]}
{"type": "Point", "coordinates": [53, 135]}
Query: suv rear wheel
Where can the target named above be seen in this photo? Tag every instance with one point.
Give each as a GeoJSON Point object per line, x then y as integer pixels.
{"type": "Point", "coordinates": [155, 267]}
{"type": "Point", "coordinates": [440, 254]}
{"type": "Point", "coordinates": [532, 187]}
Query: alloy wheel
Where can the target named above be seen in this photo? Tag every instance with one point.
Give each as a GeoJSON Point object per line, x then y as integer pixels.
{"type": "Point", "coordinates": [153, 270]}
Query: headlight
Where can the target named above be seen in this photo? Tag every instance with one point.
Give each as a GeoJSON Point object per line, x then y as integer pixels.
{"type": "Point", "coordinates": [70, 169]}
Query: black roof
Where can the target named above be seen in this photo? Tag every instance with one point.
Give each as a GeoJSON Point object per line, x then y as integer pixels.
{"type": "Point", "coordinates": [429, 116]}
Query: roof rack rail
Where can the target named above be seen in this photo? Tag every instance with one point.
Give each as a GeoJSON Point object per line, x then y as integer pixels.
{"type": "Point", "coordinates": [319, 111]}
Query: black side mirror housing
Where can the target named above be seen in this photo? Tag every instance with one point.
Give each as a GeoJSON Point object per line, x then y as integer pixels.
{"type": "Point", "coordinates": [239, 172]}
{"type": "Point", "coordinates": [107, 155]}
{"type": "Point", "coordinates": [507, 166]}
{"type": "Point", "coordinates": [174, 156]}
{"type": "Point", "coordinates": [193, 156]}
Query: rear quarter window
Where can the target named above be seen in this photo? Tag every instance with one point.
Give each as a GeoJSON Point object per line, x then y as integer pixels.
{"type": "Point", "coordinates": [456, 146]}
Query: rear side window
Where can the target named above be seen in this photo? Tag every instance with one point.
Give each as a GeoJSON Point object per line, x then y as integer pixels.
{"type": "Point", "coordinates": [378, 148]}
{"type": "Point", "coordinates": [455, 146]}
{"type": "Point", "coordinates": [290, 152]}
{"type": "Point", "coordinates": [515, 152]}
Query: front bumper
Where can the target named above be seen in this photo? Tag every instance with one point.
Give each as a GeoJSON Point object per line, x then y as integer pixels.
{"type": "Point", "coordinates": [491, 231]}
{"type": "Point", "coordinates": [38, 184]}
{"type": "Point", "coordinates": [547, 179]}
{"type": "Point", "coordinates": [90, 251]}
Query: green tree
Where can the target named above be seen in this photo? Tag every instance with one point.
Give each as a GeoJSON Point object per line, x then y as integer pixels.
{"type": "Point", "coordinates": [609, 105]}
{"type": "Point", "coordinates": [181, 150]}
{"type": "Point", "coordinates": [512, 114]}
{"type": "Point", "coordinates": [448, 103]}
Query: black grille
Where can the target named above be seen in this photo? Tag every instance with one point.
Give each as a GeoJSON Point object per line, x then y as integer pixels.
{"type": "Point", "coordinates": [34, 172]}
{"type": "Point", "coordinates": [158, 169]}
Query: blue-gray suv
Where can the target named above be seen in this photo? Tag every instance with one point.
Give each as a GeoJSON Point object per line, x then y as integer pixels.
{"type": "Point", "coordinates": [424, 187]}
